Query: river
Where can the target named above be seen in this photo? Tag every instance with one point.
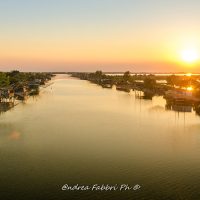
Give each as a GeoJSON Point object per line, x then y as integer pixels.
{"type": "Point", "coordinates": [76, 132]}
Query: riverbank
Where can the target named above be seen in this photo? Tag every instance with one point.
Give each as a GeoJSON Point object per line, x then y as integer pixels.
{"type": "Point", "coordinates": [17, 86]}
{"type": "Point", "coordinates": [178, 90]}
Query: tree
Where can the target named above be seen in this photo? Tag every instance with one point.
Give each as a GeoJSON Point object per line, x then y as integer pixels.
{"type": "Point", "coordinates": [4, 80]}
{"type": "Point", "coordinates": [98, 74]}
{"type": "Point", "coordinates": [17, 77]}
{"type": "Point", "coordinates": [172, 80]}
{"type": "Point", "coordinates": [149, 82]}
{"type": "Point", "coordinates": [13, 73]}
{"type": "Point", "coordinates": [126, 76]}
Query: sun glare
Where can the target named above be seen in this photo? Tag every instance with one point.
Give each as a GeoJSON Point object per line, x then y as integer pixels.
{"type": "Point", "coordinates": [189, 55]}
{"type": "Point", "coordinates": [190, 88]}
{"type": "Point", "coordinates": [189, 74]}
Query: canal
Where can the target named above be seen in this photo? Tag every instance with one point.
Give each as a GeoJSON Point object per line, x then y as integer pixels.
{"type": "Point", "coordinates": [76, 132]}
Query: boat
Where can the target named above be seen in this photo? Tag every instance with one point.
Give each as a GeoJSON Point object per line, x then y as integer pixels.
{"type": "Point", "coordinates": [124, 88]}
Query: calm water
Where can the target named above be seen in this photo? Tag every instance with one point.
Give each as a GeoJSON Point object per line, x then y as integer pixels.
{"type": "Point", "coordinates": [77, 132]}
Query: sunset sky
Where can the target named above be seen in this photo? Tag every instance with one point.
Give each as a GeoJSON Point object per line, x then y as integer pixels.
{"type": "Point", "coordinates": [109, 35]}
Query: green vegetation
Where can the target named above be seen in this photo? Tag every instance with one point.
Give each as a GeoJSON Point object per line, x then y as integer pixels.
{"type": "Point", "coordinates": [126, 76]}
{"type": "Point", "coordinates": [17, 84]}
{"type": "Point", "coordinates": [4, 80]}
{"type": "Point", "coordinates": [150, 82]}
{"type": "Point", "coordinates": [178, 90]}
{"type": "Point", "coordinates": [124, 82]}
{"type": "Point", "coordinates": [17, 77]}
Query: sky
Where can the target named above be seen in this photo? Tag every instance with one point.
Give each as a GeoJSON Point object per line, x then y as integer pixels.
{"type": "Point", "coordinates": [107, 35]}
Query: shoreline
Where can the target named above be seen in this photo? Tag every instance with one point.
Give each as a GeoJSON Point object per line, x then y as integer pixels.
{"type": "Point", "coordinates": [19, 86]}
{"type": "Point", "coordinates": [181, 92]}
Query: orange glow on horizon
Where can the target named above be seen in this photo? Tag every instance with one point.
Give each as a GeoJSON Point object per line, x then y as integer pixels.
{"type": "Point", "coordinates": [115, 54]}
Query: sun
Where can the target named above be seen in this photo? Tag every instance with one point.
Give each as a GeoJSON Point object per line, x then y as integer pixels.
{"type": "Point", "coordinates": [190, 88]}
{"type": "Point", "coordinates": [189, 55]}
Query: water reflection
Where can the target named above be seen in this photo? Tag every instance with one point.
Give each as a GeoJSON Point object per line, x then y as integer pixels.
{"type": "Point", "coordinates": [179, 108]}
{"type": "Point", "coordinates": [5, 106]}
{"type": "Point", "coordinates": [15, 135]}
{"type": "Point", "coordinates": [170, 105]}
{"type": "Point", "coordinates": [157, 108]}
